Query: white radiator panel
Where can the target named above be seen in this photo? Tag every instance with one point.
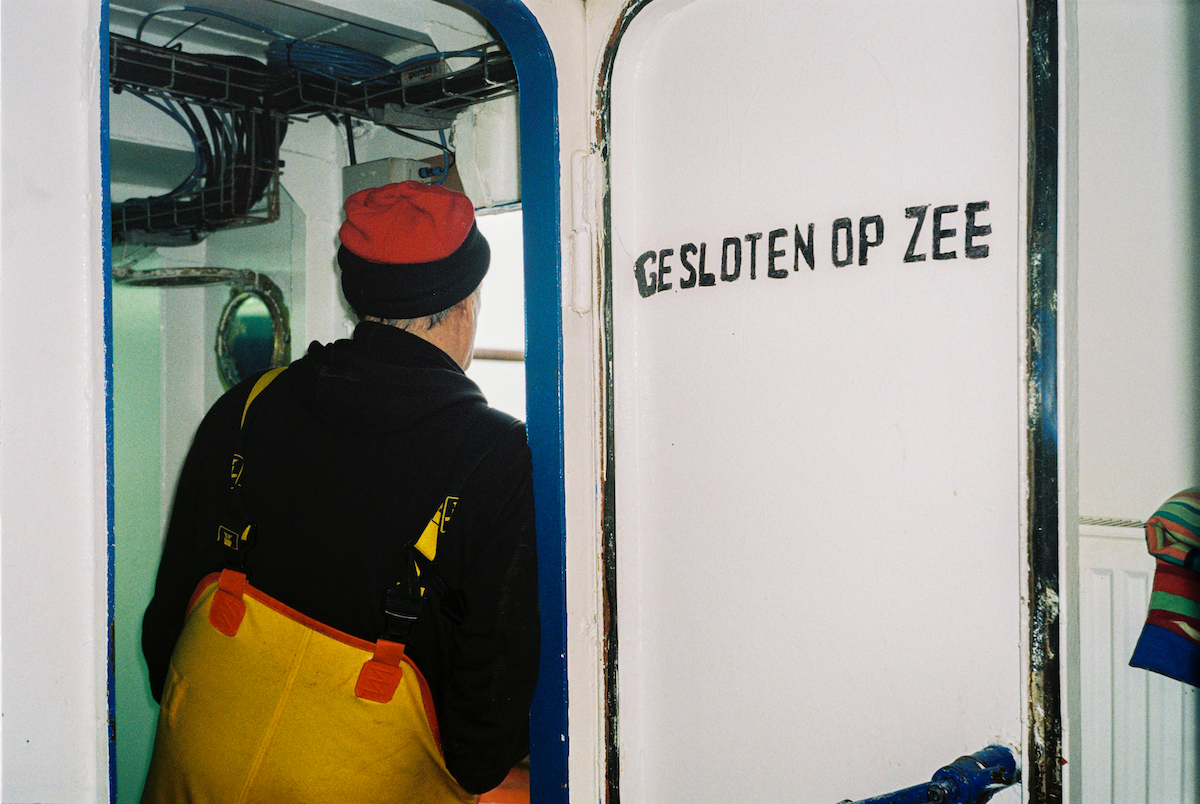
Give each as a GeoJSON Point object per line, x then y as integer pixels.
{"type": "Point", "coordinates": [1139, 728]}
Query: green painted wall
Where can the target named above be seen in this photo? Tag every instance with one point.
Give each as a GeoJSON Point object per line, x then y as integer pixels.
{"type": "Point", "coordinates": [137, 451]}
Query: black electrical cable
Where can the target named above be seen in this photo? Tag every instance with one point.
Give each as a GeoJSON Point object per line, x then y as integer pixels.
{"type": "Point", "coordinates": [218, 135]}
{"type": "Point", "coordinates": [211, 156]}
{"type": "Point", "coordinates": [179, 35]}
{"type": "Point", "coordinates": [447, 158]}
{"type": "Point", "coordinates": [350, 141]}
{"type": "Point", "coordinates": [237, 150]}
{"type": "Point", "coordinates": [192, 180]}
{"type": "Point", "coordinates": [237, 158]}
{"type": "Point", "coordinates": [413, 137]}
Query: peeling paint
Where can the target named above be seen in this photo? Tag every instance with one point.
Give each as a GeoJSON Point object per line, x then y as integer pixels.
{"type": "Point", "coordinates": [1043, 776]}
{"type": "Point", "coordinates": [603, 116]}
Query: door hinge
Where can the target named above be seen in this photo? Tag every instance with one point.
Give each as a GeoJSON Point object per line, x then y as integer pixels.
{"type": "Point", "coordinates": [585, 177]}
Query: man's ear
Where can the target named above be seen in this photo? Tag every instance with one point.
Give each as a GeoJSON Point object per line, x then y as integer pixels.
{"type": "Point", "coordinates": [465, 307]}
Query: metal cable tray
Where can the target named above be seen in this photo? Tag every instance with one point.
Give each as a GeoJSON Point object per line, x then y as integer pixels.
{"type": "Point", "coordinates": [424, 94]}
{"type": "Point", "coordinates": [183, 221]}
{"type": "Point", "coordinates": [221, 82]}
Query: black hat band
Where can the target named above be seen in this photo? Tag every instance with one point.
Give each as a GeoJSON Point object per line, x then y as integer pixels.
{"type": "Point", "coordinates": [417, 289]}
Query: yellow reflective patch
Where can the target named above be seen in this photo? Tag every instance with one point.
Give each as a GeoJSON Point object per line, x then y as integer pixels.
{"type": "Point", "coordinates": [448, 511]}
{"type": "Point", "coordinates": [231, 538]}
{"type": "Point", "coordinates": [227, 537]}
{"type": "Point", "coordinates": [427, 544]}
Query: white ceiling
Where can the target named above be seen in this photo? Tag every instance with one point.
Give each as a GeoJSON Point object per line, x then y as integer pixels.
{"type": "Point", "coordinates": [406, 34]}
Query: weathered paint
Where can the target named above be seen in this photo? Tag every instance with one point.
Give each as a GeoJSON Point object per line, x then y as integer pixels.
{"type": "Point", "coordinates": [609, 502]}
{"type": "Point", "coordinates": [612, 701]}
{"type": "Point", "coordinates": [1044, 777]}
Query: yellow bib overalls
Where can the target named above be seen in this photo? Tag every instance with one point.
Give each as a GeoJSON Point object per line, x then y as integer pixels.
{"type": "Point", "coordinates": [263, 705]}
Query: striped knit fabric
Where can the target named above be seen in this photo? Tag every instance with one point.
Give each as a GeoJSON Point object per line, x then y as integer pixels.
{"type": "Point", "coordinates": [1170, 640]}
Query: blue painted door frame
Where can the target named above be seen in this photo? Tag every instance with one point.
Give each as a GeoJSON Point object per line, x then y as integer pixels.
{"type": "Point", "coordinates": [538, 83]}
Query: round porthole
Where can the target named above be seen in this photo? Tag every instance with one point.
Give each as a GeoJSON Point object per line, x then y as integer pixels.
{"type": "Point", "coordinates": [253, 333]}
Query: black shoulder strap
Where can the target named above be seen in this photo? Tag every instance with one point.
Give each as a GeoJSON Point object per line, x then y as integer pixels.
{"type": "Point", "coordinates": [483, 435]}
{"type": "Point", "coordinates": [405, 599]}
{"type": "Point", "coordinates": [235, 531]}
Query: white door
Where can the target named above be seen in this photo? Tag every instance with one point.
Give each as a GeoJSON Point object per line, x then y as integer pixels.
{"type": "Point", "coordinates": [818, 409]}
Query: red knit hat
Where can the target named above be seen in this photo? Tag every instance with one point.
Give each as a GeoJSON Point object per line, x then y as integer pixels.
{"type": "Point", "coordinates": [410, 250]}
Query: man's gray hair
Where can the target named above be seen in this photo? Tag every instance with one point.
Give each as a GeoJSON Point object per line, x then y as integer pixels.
{"type": "Point", "coordinates": [431, 321]}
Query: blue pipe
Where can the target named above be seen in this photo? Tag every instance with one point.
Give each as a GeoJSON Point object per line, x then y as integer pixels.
{"type": "Point", "coordinates": [972, 779]}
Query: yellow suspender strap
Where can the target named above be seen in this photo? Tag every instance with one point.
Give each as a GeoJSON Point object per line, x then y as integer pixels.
{"type": "Point", "coordinates": [258, 388]}
{"type": "Point", "coordinates": [234, 530]}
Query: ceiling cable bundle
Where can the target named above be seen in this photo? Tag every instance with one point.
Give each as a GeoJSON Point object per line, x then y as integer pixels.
{"type": "Point", "coordinates": [236, 165]}
{"type": "Point", "coordinates": [219, 102]}
{"type": "Point", "coordinates": [235, 110]}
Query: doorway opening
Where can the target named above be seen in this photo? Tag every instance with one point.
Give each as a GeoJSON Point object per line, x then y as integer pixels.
{"type": "Point", "coordinates": [165, 357]}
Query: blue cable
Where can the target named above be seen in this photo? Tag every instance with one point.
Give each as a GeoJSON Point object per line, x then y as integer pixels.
{"type": "Point", "coordinates": [332, 61]}
{"type": "Point", "coordinates": [198, 10]}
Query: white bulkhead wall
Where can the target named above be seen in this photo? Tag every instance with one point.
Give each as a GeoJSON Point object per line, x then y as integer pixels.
{"type": "Point", "coordinates": [52, 392]}
{"type": "Point", "coordinates": [1137, 375]}
{"type": "Point", "coordinates": [1138, 275]}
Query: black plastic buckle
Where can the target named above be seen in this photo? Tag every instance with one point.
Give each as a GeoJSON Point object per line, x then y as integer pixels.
{"type": "Point", "coordinates": [401, 608]}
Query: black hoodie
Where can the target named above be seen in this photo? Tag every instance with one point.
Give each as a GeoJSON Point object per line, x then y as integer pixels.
{"type": "Point", "coordinates": [349, 454]}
